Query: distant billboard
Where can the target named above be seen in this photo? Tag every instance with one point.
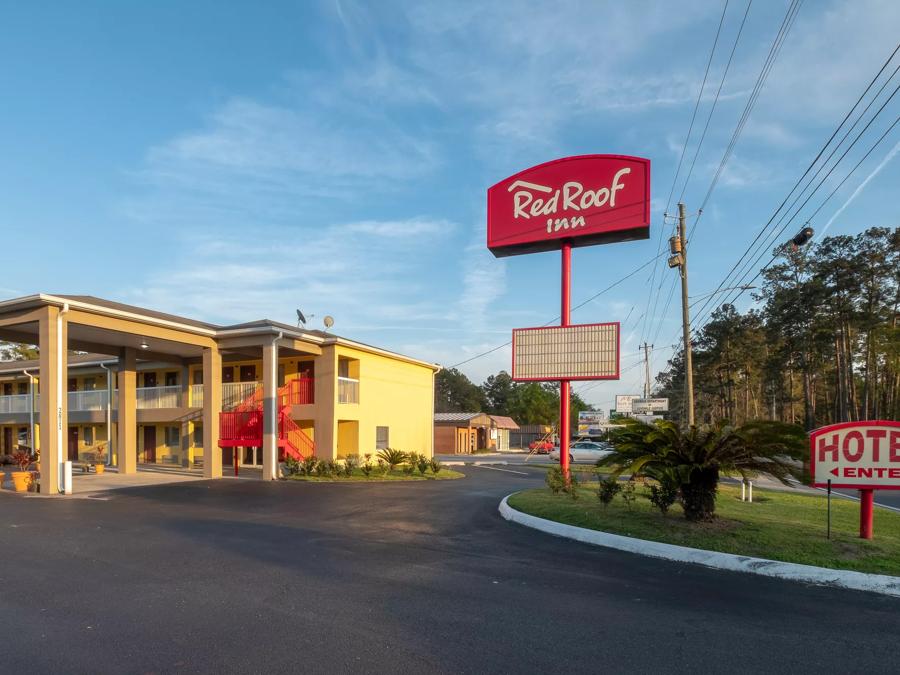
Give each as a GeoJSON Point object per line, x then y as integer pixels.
{"type": "Point", "coordinates": [590, 422]}
{"type": "Point", "coordinates": [646, 406]}
{"type": "Point", "coordinates": [584, 352]}
{"type": "Point", "coordinates": [624, 403]}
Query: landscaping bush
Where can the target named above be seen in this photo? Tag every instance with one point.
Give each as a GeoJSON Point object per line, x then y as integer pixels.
{"type": "Point", "coordinates": [393, 458]}
{"type": "Point", "coordinates": [350, 462]}
{"type": "Point", "coordinates": [422, 464]}
{"type": "Point", "coordinates": [436, 466]}
{"type": "Point", "coordinates": [309, 465]}
{"type": "Point", "coordinates": [409, 469]}
{"type": "Point", "coordinates": [664, 491]}
{"type": "Point", "coordinates": [608, 489]}
{"type": "Point", "coordinates": [628, 493]}
{"type": "Point", "coordinates": [557, 482]}
{"type": "Point", "coordinates": [291, 466]}
{"type": "Point", "coordinates": [328, 468]}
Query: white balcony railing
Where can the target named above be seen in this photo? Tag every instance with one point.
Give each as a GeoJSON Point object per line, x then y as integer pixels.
{"type": "Point", "coordinates": [233, 393]}
{"type": "Point", "coordinates": [158, 397]}
{"type": "Point", "coordinates": [196, 396]}
{"type": "Point", "coordinates": [348, 390]}
{"type": "Point", "coordinates": [88, 400]}
{"type": "Point", "coordinates": [17, 403]}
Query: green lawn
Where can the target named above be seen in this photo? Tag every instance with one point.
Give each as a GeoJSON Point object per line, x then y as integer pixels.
{"type": "Point", "coordinates": [778, 525]}
{"type": "Point", "coordinates": [397, 474]}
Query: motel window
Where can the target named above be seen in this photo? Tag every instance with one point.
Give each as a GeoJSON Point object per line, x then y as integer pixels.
{"type": "Point", "coordinates": [198, 435]}
{"type": "Point", "coordinates": [198, 376]}
{"type": "Point", "coordinates": [227, 373]}
{"type": "Point", "coordinates": [343, 368]}
{"type": "Point", "coordinates": [88, 435]}
{"type": "Point", "coordinates": [73, 384]}
{"type": "Point", "coordinates": [7, 389]}
{"type": "Point", "coordinates": [382, 438]}
{"type": "Point", "coordinates": [171, 379]}
{"type": "Point", "coordinates": [173, 437]}
{"type": "Point", "coordinates": [23, 388]}
{"type": "Point", "coordinates": [22, 436]}
{"type": "Point", "coordinates": [89, 384]}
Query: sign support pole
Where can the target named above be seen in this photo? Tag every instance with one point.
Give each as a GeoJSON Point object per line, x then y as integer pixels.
{"type": "Point", "coordinates": [829, 509]}
{"type": "Point", "coordinates": [866, 506]}
{"type": "Point", "coordinates": [564, 314]}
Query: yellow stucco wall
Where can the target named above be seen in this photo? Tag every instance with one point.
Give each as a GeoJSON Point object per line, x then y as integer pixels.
{"type": "Point", "coordinates": [394, 394]}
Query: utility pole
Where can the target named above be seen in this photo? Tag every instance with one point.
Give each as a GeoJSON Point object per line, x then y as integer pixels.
{"type": "Point", "coordinates": [678, 246]}
{"type": "Point", "coordinates": [647, 349]}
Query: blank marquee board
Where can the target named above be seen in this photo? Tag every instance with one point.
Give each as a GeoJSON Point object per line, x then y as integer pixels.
{"type": "Point", "coordinates": [584, 352]}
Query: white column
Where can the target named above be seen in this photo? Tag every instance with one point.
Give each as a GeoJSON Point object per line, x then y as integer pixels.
{"type": "Point", "coordinates": [270, 411]}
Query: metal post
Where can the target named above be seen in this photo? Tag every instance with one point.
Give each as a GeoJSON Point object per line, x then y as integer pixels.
{"type": "Point", "coordinates": [109, 398]}
{"type": "Point", "coordinates": [686, 322]}
{"type": "Point", "coordinates": [829, 509]}
{"type": "Point", "coordinates": [565, 312]}
{"type": "Point", "coordinates": [743, 490]}
{"type": "Point", "coordinates": [750, 491]}
{"type": "Point", "coordinates": [866, 506]}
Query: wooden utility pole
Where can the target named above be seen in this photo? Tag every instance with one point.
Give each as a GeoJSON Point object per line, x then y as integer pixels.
{"type": "Point", "coordinates": [678, 246]}
{"type": "Point", "coordinates": [647, 349]}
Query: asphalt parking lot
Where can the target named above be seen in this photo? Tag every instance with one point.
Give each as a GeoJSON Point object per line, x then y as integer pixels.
{"type": "Point", "coordinates": [246, 576]}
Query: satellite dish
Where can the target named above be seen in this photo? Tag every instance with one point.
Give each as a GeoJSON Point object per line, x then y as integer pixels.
{"type": "Point", "coordinates": [300, 318]}
{"type": "Point", "coordinates": [328, 321]}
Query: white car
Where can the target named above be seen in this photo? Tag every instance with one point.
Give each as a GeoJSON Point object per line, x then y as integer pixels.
{"type": "Point", "coordinates": [584, 451]}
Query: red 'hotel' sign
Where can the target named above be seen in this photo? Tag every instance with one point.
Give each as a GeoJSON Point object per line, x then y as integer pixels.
{"type": "Point", "coordinates": [588, 199]}
{"type": "Point", "coordinates": [857, 455]}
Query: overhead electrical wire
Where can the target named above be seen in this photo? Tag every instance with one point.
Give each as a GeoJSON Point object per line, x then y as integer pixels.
{"type": "Point", "coordinates": [687, 139]}
{"type": "Point", "coordinates": [751, 248]}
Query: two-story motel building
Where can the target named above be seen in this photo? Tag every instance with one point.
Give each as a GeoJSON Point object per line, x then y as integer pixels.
{"type": "Point", "coordinates": [156, 388]}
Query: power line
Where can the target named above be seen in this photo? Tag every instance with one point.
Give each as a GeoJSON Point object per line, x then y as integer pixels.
{"type": "Point", "coordinates": [712, 108]}
{"type": "Point", "coordinates": [799, 181]}
{"type": "Point", "coordinates": [687, 139]}
{"type": "Point", "coordinates": [555, 319]}
{"type": "Point", "coordinates": [774, 50]}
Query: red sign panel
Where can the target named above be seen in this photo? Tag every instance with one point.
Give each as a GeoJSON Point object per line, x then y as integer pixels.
{"type": "Point", "coordinates": [857, 455]}
{"type": "Point", "coordinates": [589, 199]}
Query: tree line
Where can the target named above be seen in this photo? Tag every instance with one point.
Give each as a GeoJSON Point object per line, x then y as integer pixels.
{"type": "Point", "coordinates": [823, 345]}
{"type": "Point", "coordinates": [525, 402]}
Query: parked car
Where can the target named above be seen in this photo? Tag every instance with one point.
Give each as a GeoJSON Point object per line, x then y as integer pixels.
{"type": "Point", "coordinates": [584, 451]}
{"type": "Point", "coordinates": [541, 447]}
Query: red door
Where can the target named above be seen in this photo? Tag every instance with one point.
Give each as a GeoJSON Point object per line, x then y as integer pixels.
{"type": "Point", "coordinates": [73, 444]}
{"type": "Point", "coordinates": [7, 440]}
{"type": "Point", "coordinates": [150, 444]}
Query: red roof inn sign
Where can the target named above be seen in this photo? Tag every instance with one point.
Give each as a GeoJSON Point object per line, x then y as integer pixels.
{"type": "Point", "coordinates": [589, 199]}
{"type": "Point", "coordinates": [863, 456]}
{"type": "Point", "coordinates": [558, 205]}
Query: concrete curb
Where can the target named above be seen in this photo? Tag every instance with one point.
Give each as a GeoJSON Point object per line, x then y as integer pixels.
{"type": "Point", "coordinates": [859, 581]}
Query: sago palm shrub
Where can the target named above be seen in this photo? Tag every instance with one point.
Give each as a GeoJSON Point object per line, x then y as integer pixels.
{"type": "Point", "coordinates": [695, 458]}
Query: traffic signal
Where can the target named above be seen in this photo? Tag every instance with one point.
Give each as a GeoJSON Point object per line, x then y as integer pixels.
{"type": "Point", "coordinates": [803, 236]}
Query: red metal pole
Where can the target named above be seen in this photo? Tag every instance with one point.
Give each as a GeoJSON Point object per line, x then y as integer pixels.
{"type": "Point", "coordinates": [866, 506]}
{"type": "Point", "coordinates": [565, 311]}
{"type": "Point", "coordinates": [234, 459]}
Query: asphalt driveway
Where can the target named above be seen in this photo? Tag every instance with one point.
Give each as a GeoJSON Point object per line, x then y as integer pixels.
{"type": "Point", "coordinates": [246, 576]}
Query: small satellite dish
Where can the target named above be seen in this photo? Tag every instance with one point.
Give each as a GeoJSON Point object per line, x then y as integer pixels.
{"type": "Point", "coordinates": [300, 318]}
{"type": "Point", "coordinates": [328, 321]}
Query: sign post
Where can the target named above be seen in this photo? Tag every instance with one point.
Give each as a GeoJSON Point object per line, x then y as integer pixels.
{"type": "Point", "coordinates": [569, 202]}
{"type": "Point", "coordinates": [862, 456]}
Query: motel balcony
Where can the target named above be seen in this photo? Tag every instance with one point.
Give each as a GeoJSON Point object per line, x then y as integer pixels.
{"type": "Point", "coordinates": [299, 391]}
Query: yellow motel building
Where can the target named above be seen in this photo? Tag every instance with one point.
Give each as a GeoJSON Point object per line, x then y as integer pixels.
{"type": "Point", "coordinates": [136, 386]}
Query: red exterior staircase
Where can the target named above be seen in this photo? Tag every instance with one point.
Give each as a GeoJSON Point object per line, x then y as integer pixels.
{"type": "Point", "coordinates": [243, 425]}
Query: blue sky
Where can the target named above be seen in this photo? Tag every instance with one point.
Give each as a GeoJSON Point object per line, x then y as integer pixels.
{"type": "Point", "coordinates": [232, 161]}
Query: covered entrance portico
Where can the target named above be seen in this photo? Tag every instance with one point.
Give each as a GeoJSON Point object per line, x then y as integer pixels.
{"type": "Point", "coordinates": [58, 324]}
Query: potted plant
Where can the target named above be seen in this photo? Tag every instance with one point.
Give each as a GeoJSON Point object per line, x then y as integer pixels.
{"type": "Point", "coordinates": [22, 477]}
{"type": "Point", "coordinates": [99, 461]}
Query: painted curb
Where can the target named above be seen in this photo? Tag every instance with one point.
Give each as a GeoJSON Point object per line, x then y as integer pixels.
{"type": "Point", "coordinates": [859, 581]}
